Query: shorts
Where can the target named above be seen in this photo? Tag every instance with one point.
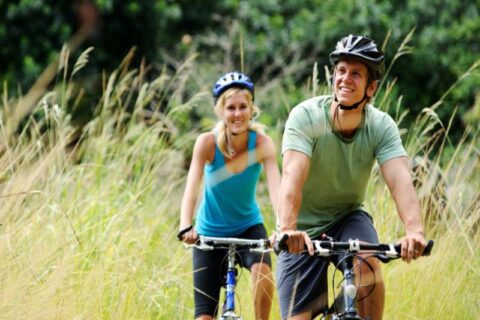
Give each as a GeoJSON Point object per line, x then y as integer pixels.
{"type": "Point", "coordinates": [302, 279]}
{"type": "Point", "coordinates": [209, 270]}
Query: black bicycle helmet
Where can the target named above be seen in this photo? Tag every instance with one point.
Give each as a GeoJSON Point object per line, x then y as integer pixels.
{"type": "Point", "coordinates": [230, 80]}
{"type": "Point", "coordinates": [362, 49]}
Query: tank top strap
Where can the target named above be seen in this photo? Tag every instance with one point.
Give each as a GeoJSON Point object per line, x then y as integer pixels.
{"type": "Point", "coordinates": [252, 144]}
{"type": "Point", "coordinates": [218, 159]}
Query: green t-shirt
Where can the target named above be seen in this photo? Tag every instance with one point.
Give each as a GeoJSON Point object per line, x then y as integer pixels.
{"type": "Point", "coordinates": [339, 168]}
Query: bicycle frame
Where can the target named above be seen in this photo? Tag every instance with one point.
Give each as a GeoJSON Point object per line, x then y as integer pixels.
{"type": "Point", "coordinates": [348, 294]}
{"type": "Point", "coordinates": [211, 243]}
{"type": "Point", "coordinates": [229, 312]}
{"type": "Point", "coordinates": [344, 306]}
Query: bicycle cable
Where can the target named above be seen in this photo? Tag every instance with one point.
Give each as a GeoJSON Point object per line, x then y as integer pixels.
{"type": "Point", "coordinates": [346, 255]}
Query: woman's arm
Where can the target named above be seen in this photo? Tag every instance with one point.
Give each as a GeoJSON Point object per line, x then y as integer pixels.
{"type": "Point", "coordinates": [203, 151]}
{"type": "Point", "coordinates": [272, 173]}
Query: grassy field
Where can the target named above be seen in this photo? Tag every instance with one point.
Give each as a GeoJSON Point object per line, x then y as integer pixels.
{"type": "Point", "coordinates": [87, 231]}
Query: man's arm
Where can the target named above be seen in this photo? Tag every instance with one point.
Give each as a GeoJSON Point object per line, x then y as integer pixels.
{"type": "Point", "coordinates": [399, 181]}
{"type": "Point", "coordinates": [294, 174]}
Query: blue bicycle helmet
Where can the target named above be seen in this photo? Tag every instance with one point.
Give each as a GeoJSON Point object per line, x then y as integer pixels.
{"type": "Point", "coordinates": [362, 49]}
{"type": "Point", "coordinates": [230, 80]}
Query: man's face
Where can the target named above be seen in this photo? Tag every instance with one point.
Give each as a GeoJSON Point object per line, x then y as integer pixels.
{"type": "Point", "coordinates": [350, 82]}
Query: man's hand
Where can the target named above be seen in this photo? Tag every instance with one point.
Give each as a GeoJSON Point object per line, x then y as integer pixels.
{"type": "Point", "coordinates": [297, 241]}
{"type": "Point", "coordinates": [413, 245]}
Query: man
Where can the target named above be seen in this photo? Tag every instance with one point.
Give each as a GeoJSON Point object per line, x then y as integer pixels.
{"type": "Point", "coordinates": [329, 146]}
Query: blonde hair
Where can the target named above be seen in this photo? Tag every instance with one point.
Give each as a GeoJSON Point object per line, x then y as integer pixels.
{"type": "Point", "coordinates": [223, 136]}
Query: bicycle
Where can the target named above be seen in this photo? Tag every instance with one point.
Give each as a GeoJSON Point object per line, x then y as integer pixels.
{"type": "Point", "coordinates": [344, 305]}
{"type": "Point", "coordinates": [231, 244]}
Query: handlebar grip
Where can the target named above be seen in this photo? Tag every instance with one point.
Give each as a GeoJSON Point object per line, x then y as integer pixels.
{"type": "Point", "coordinates": [182, 232]}
{"type": "Point", "coordinates": [428, 248]}
{"type": "Point", "coordinates": [281, 245]}
{"type": "Point", "coordinates": [426, 251]}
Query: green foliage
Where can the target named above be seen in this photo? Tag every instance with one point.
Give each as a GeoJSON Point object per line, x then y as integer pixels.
{"type": "Point", "coordinates": [270, 36]}
{"type": "Point", "coordinates": [270, 39]}
{"type": "Point", "coordinates": [31, 33]}
{"type": "Point", "coordinates": [445, 46]}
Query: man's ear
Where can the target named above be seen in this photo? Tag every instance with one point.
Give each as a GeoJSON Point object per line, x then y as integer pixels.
{"type": "Point", "coordinates": [372, 87]}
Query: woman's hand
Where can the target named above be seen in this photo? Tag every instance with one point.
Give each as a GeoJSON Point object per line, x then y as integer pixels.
{"type": "Point", "coordinates": [188, 235]}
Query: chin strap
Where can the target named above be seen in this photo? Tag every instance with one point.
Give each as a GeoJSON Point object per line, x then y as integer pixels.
{"type": "Point", "coordinates": [353, 106]}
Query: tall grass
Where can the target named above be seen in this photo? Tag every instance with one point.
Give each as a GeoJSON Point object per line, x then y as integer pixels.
{"type": "Point", "coordinates": [86, 231]}
{"type": "Point", "coordinates": [87, 220]}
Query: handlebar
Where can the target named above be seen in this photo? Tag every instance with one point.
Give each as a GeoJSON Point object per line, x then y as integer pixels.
{"type": "Point", "coordinates": [210, 243]}
{"type": "Point", "coordinates": [383, 251]}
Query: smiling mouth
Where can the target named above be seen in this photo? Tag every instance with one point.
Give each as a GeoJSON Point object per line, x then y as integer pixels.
{"type": "Point", "coordinates": [346, 90]}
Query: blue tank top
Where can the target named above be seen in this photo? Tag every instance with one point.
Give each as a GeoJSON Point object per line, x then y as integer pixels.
{"type": "Point", "coordinates": [229, 204]}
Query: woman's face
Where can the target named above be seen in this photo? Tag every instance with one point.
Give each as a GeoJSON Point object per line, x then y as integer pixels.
{"type": "Point", "coordinates": [237, 112]}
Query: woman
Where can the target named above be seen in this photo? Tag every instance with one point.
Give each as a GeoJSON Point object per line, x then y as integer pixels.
{"type": "Point", "coordinates": [230, 157]}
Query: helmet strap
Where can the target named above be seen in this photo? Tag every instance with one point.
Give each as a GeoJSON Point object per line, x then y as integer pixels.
{"type": "Point", "coordinates": [353, 106]}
